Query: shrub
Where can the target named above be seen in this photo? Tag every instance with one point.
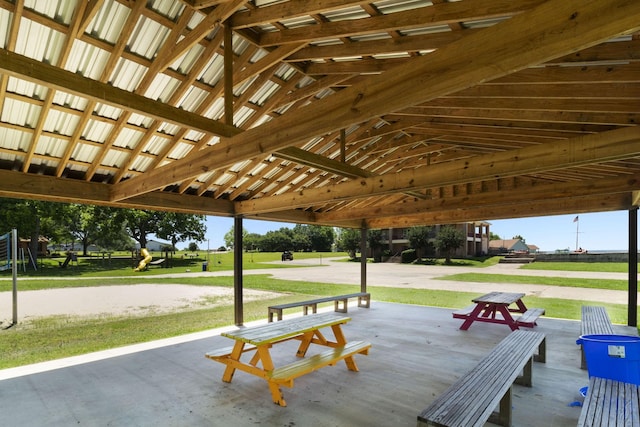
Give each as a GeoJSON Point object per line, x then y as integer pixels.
{"type": "Point", "coordinates": [408, 256]}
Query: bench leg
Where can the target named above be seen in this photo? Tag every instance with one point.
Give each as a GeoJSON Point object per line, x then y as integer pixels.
{"type": "Point", "coordinates": [342, 309]}
{"type": "Point", "coordinates": [542, 352]}
{"type": "Point", "coordinates": [525, 379]}
{"type": "Point", "coordinates": [363, 302]}
{"type": "Point", "coordinates": [504, 416]}
{"type": "Point", "coordinates": [313, 307]}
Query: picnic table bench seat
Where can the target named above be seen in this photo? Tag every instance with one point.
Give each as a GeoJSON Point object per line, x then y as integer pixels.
{"type": "Point", "coordinates": [595, 320]}
{"type": "Point", "coordinates": [285, 375]}
{"type": "Point", "coordinates": [610, 403]}
{"type": "Point", "coordinates": [471, 400]}
{"type": "Point", "coordinates": [364, 300]}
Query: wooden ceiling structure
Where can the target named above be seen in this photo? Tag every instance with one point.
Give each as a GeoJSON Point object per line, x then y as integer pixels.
{"type": "Point", "coordinates": [347, 113]}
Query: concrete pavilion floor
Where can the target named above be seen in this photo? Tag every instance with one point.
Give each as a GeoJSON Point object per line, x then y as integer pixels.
{"type": "Point", "coordinates": [417, 353]}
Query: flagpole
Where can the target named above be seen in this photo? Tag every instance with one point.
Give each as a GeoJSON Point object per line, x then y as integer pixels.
{"type": "Point", "coordinates": [577, 228]}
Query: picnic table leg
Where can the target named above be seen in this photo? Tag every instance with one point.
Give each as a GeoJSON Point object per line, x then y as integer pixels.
{"type": "Point", "coordinates": [267, 365]}
{"type": "Point", "coordinates": [340, 341]}
{"type": "Point", "coordinates": [305, 341]}
{"type": "Point", "coordinates": [508, 319]}
{"type": "Point", "coordinates": [521, 307]}
{"type": "Point", "coordinates": [235, 355]}
{"type": "Point", "coordinates": [472, 316]}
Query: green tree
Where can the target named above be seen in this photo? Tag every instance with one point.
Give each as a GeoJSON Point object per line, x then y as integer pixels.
{"type": "Point", "coordinates": [374, 240]}
{"type": "Point", "coordinates": [251, 241]}
{"type": "Point", "coordinates": [32, 219]}
{"type": "Point", "coordinates": [519, 237]}
{"type": "Point", "coordinates": [448, 240]}
{"type": "Point", "coordinates": [140, 223]}
{"type": "Point", "coordinates": [277, 240]}
{"type": "Point", "coordinates": [313, 238]}
{"type": "Point", "coordinates": [229, 237]}
{"type": "Point", "coordinates": [111, 232]}
{"type": "Point", "coordinates": [419, 239]}
{"type": "Point", "coordinates": [179, 227]}
{"type": "Point", "coordinates": [494, 236]}
{"type": "Point", "coordinates": [349, 240]}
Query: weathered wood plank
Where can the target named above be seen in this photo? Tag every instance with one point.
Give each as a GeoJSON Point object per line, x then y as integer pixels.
{"type": "Point", "coordinates": [472, 399]}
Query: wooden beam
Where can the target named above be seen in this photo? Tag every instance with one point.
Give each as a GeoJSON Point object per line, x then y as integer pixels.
{"type": "Point", "coordinates": [575, 205]}
{"type": "Point", "coordinates": [522, 194]}
{"type": "Point", "coordinates": [57, 78]}
{"type": "Point", "coordinates": [590, 149]}
{"type": "Point", "coordinates": [49, 188]}
{"type": "Point", "coordinates": [555, 28]}
{"type": "Point", "coordinates": [442, 14]}
{"type": "Point", "coordinates": [317, 161]}
{"type": "Point", "coordinates": [204, 27]}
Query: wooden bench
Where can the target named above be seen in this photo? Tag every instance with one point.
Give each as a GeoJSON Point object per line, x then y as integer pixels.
{"type": "Point", "coordinates": [610, 403]}
{"type": "Point", "coordinates": [470, 401]}
{"type": "Point", "coordinates": [595, 320]}
{"type": "Point", "coordinates": [529, 317]}
{"type": "Point", "coordinates": [364, 300]}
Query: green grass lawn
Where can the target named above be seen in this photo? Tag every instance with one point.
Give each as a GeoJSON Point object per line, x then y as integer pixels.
{"type": "Point", "coordinates": [51, 338]}
{"type": "Point", "coordinates": [122, 264]}
{"type": "Point", "coordinates": [612, 284]}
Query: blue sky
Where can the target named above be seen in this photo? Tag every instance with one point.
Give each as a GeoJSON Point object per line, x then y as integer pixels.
{"type": "Point", "coordinates": [596, 231]}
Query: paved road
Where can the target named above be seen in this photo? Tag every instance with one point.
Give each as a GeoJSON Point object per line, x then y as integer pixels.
{"type": "Point", "coordinates": [330, 270]}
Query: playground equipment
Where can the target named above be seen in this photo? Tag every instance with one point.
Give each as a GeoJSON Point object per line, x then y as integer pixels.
{"type": "Point", "coordinates": [146, 259]}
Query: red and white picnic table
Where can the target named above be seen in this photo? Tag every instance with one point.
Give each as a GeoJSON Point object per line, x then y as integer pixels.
{"type": "Point", "coordinates": [499, 307]}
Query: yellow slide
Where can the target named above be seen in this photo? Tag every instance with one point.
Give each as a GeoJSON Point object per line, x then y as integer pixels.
{"type": "Point", "coordinates": [145, 260]}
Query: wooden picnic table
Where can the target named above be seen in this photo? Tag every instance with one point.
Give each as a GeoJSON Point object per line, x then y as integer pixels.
{"type": "Point", "coordinates": [260, 339]}
{"type": "Point", "coordinates": [498, 307]}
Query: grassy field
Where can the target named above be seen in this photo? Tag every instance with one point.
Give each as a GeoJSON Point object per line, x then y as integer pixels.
{"type": "Point", "coordinates": [51, 338]}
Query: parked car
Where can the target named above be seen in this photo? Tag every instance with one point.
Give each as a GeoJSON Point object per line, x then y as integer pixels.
{"type": "Point", "coordinates": [287, 256]}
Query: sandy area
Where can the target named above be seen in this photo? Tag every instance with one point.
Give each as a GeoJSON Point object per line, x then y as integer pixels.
{"type": "Point", "coordinates": [133, 300]}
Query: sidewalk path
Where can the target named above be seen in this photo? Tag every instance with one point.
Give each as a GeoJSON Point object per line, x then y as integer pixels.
{"type": "Point", "coordinates": [148, 298]}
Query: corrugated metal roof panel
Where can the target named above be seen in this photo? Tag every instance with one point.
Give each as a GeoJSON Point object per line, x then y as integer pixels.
{"type": "Point", "coordinates": [128, 138]}
{"type": "Point", "coordinates": [168, 8]}
{"type": "Point", "coordinates": [108, 111]}
{"type": "Point", "coordinates": [184, 63]}
{"type": "Point", "coordinates": [14, 139]}
{"type": "Point", "coordinates": [147, 37]}
{"type": "Point", "coordinates": [50, 146]}
{"type": "Point", "coordinates": [23, 87]}
{"type": "Point", "coordinates": [108, 23]}
{"type": "Point", "coordinates": [97, 130]}
{"type": "Point", "coordinates": [87, 60]}
{"type": "Point", "coordinates": [5, 26]}
{"type": "Point", "coordinates": [140, 120]}
{"type": "Point", "coordinates": [20, 113]}
{"type": "Point", "coordinates": [213, 72]}
{"type": "Point", "coordinates": [141, 163]}
{"type": "Point", "coordinates": [155, 145]}
{"type": "Point", "coordinates": [127, 75]}
{"type": "Point", "coordinates": [115, 158]}
{"type": "Point", "coordinates": [192, 99]}
{"type": "Point", "coordinates": [61, 122]}
{"type": "Point", "coordinates": [85, 152]}
{"type": "Point", "coordinates": [180, 150]}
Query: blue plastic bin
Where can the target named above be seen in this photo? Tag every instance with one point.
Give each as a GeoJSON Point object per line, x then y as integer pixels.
{"type": "Point", "coordinates": [615, 357]}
